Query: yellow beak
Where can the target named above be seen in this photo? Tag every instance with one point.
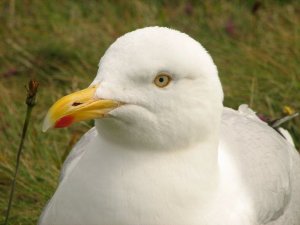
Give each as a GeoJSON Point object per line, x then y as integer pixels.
{"type": "Point", "coordinates": [78, 106]}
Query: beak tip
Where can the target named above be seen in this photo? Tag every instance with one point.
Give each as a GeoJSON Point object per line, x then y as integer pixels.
{"type": "Point", "coordinates": [44, 130]}
{"type": "Point", "coordinates": [46, 124]}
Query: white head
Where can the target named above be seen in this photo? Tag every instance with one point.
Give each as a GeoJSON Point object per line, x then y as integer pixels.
{"type": "Point", "coordinates": [186, 111]}
{"type": "Point", "coordinates": [183, 112]}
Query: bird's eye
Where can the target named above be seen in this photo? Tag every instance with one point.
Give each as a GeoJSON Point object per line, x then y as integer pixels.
{"type": "Point", "coordinates": [162, 80]}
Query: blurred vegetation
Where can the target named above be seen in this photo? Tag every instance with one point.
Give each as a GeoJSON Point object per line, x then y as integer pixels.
{"type": "Point", "coordinates": [255, 44]}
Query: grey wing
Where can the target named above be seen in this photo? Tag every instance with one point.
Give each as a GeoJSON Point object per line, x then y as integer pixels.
{"type": "Point", "coordinates": [70, 163]}
{"type": "Point", "coordinates": [76, 153]}
{"type": "Point", "coordinates": [267, 162]}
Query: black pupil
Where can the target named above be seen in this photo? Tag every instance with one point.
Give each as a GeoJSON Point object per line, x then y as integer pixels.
{"type": "Point", "coordinates": [161, 79]}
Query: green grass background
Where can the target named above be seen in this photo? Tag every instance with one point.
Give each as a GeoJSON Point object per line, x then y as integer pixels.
{"type": "Point", "coordinates": [59, 43]}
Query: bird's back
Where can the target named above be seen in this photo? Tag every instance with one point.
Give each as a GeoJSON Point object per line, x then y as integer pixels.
{"type": "Point", "coordinates": [257, 159]}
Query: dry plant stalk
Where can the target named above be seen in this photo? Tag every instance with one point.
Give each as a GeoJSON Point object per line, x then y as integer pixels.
{"type": "Point", "coordinates": [30, 102]}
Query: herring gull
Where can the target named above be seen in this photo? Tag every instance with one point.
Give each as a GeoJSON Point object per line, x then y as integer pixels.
{"type": "Point", "coordinates": [164, 149]}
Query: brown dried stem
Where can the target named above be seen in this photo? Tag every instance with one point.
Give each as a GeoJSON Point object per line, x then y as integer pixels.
{"type": "Point", "coordinates": [30, 101]}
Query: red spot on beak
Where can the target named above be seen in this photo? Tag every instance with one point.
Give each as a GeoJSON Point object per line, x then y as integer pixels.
{"type": "Point", "coordinates": [64, 121]}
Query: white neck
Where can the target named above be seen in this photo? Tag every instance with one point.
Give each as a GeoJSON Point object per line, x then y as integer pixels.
{"type": "Point", "coordinates": [182, 182]}
{"type": "Point", "coordinates": [201, 158]}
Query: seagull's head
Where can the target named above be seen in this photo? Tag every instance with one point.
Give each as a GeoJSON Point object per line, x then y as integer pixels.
{"type": "Point", "coordinates": [155, 87]}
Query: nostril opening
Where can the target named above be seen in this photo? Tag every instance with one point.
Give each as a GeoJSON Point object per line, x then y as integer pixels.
{"type": "Point", "coordinates": [76, 103]}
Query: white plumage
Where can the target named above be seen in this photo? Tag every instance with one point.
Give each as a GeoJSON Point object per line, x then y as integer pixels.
{"type": "Point", "coordinates": [174, 155]}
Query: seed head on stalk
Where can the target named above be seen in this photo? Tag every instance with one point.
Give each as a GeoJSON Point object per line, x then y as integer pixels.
{"type": "Point", "coordinates": [32, 89]}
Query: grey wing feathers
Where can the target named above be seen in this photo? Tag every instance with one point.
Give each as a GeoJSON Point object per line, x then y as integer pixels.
{"type": "Point", "coordinates": [264, 159]}
{"type": "Point", "coordinates": [76, 153]}
{"type": "Point", "coordinates": [70, 163]}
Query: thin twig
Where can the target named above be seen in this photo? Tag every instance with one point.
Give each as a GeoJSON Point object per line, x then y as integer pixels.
{"type": "Point", "coordinates": [30, 101]}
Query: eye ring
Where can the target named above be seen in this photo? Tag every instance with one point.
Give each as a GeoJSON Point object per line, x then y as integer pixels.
{"type": "Point", "coordinates": [162, 80]}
